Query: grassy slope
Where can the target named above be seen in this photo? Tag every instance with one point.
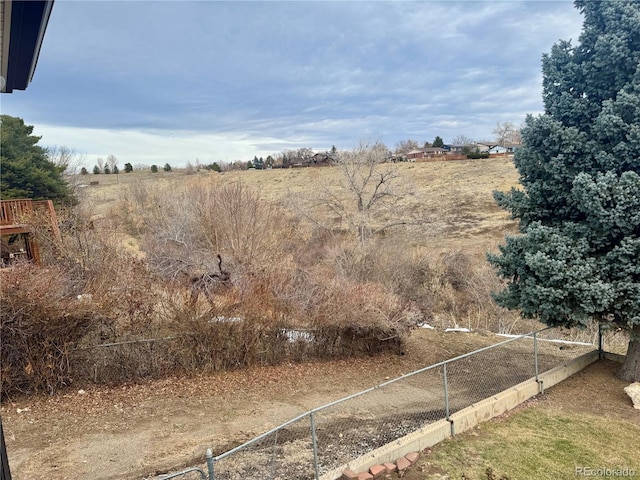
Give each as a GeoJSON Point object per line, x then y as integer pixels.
{"type": "Point", "coordinates": [458, 194]}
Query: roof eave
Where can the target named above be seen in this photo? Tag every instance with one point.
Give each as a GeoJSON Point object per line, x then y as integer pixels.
{"type": "Point", "coordinates": [24, 26]}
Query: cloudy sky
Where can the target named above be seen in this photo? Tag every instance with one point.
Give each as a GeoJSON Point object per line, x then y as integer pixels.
{"type": "Point", "coordinates": [175, 81]}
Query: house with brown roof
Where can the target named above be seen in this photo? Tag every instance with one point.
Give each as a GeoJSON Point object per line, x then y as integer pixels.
{"type": "Point", "coordinates": [424, 153]}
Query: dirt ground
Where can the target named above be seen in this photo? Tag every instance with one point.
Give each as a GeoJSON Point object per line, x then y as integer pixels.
{"type": "Point", "coordinates": [601, 394]}
{"type": "Point", "coordinates": [139, 430]}
{"type": "Point", "coordinates": [143, 430]}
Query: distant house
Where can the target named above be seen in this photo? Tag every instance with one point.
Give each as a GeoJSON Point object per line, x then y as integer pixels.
{"type": "Point", "coordinates": [486, 146]}
{"type": "Point", "coordinates": [422, 153]}
{"type": "Point", "coordinates": [460, 149]}
{"type": "Point", "coordinates": [497, 148]}
{"type": "Point", "coordinates": [512, 147]}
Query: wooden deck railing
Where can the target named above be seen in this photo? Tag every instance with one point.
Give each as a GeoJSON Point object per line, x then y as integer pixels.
{"type": "Point", "coordinates": [13, 211]}
{"type": "Point", "coordinates": [21, 211]}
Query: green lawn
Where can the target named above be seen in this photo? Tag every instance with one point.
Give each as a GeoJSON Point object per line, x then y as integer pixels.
{"type": "Point", "coordinates": [535, 443]}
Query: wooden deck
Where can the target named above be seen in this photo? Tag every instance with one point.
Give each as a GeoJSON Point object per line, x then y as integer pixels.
{"type": "Point", "coordinates": [17, 217]}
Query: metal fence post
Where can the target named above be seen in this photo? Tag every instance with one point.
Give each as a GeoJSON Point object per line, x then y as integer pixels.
{"type": "Point", "coordinates": [535, 361]}
{"type": "Point", "coordinates": [211, 473]}
{"type": "Point", "coordinates": [446, 396]}
{"type": "Point", "coordinates": [314, 442]}
{"type": "Point", "coordinates": [600, 343]}
{"type": "Point", "coordinates": [5, 470]}
{"type": "Point", "coordinates": [535, 354]}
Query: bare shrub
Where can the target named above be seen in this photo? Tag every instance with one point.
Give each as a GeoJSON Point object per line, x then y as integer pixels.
{"type": "Point", "coordinates": [209, 341]}
{"type": "Point", "coordinates": [457, 270]}
{"type": "Point", "coordinates": [41, 322]}
{"type": "Point", "coordinates": [464, 298]}
{"type": "Point", "coordinates": [186, 230]}
{"type": "Point", "coordinates": [449, 289]}
{"type": "Point", "coordinates": [356, 319]}
{"type": "Point", "coordinates": [397, 267]}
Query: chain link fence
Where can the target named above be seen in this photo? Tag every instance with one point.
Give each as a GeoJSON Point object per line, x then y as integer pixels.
{"type": "Point", "coordinates": [330, 436]}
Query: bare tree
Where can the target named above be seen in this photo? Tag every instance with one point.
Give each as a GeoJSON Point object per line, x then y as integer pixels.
{"type": "Point", "coordinates": [461, 140]}
{"type": "Point", "coordinates": [71, 163]}
{"type": "Point", "coordinates": [67, 158]}
{"type": "Point", "coordinates": [100, 163]}
{"type": "Point", "coordinates": [367, 198]}
{"type": "Point", "coordinates": [506, 132]}
{"type": "Point", "coordinates": [291, 157]}
{"type": "Point", "coordinates": [112, 161]}
{"type": "Point", "coordinates": [405, 146]}
{"type": "Point", "coordinates": [304, 153]}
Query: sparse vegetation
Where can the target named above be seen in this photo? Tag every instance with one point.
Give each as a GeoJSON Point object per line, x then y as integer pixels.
{"type": "Point", "coordinates": [133, 251]}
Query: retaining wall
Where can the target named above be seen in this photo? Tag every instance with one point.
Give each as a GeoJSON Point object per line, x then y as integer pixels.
{"type": "Point", "coordinates": [466, 418]}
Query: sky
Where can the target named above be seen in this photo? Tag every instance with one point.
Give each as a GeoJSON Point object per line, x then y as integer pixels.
{"type": "Point", "coordinates": [155, 82]}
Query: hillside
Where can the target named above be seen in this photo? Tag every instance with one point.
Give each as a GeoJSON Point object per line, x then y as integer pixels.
{"type": "Point", "coordinates": [458, 193]}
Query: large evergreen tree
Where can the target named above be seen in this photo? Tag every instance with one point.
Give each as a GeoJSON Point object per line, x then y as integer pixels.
{"type": "Point", "coordinates": [25, 170]}
{"type": "Point", "coordinates": [577, 259]}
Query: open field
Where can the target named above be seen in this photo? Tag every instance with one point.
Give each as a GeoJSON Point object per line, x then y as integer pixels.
{"type": "Point", "coordinates": [458, 193]}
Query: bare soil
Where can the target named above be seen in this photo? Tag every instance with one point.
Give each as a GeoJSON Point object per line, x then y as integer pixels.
{"type": "Point", "coordinates": [143, 430]}
{"type": "Point", "coordinates": [140, 430]}
{"type": "Point", "coordinates": [601, 393]}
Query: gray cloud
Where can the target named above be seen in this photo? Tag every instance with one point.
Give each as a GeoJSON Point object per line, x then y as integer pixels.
{"type": "Point", "coordinates": [319, 72]}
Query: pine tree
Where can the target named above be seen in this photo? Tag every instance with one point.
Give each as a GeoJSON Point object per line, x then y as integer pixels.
{"type": "Point", "coordinates": [26, 171]}
{"type": "Point", "coordinates": [577, 259]}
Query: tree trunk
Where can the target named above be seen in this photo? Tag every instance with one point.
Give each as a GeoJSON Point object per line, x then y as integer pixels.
{"type": "Point", "coordinates": [630, 371]}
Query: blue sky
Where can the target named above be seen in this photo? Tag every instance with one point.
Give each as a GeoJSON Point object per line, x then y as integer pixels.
{"type": "Point", "coordinates": [175, 81]}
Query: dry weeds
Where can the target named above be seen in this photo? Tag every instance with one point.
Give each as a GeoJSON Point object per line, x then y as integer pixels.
{"type": "Point", "coordinates": [138, 244]}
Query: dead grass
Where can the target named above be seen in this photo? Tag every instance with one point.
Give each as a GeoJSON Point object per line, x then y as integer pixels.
{"type": "Point", "coordinates": [459, 193]}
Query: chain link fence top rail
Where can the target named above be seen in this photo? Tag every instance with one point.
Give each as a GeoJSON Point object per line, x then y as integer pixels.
{"type": "Point", "coordinates": [332, 435]}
